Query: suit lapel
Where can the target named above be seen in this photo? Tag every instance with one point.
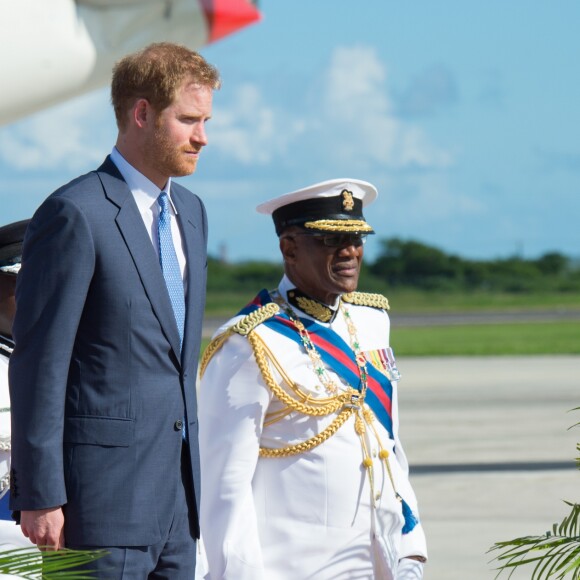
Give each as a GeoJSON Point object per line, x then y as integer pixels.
{"type": "Point", "coordinates": [189, 223]}
{"type": "Point", "coordinates": [130, 224]}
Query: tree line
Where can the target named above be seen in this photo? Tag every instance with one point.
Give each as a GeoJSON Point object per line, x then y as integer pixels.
{"type": "Point", "coordinates": [413, 264]}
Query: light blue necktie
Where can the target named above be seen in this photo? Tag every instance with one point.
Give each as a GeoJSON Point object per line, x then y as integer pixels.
{"type": "Point", "coordinates": [170, 265]}
{"type": "Point", "coordinates": [171, 273]}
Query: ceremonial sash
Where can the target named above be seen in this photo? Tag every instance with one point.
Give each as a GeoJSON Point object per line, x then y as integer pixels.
{"type": "Point", "coordinates": [336, 355]}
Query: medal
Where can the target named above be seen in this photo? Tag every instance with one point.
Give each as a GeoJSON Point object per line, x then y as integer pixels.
{"type": "Point", "coordinates": [384, 360]}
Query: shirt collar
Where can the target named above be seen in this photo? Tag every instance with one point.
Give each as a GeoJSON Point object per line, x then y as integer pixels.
{"type": "Point", "coordinates": [286, 285]}
{"type": "Point", "coordinates": [143, 189]}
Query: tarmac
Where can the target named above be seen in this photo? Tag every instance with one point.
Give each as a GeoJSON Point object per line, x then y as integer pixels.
{"type": "Point", "coordinates": [491, 451]}
{"type": "Point", "coordinates": [490, 446]}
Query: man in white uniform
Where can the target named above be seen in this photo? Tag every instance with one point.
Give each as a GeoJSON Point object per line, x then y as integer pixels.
{"type": "Point", "coordinates": [11, 236]}
{"type": "Point", "coordinates": [304, 477]}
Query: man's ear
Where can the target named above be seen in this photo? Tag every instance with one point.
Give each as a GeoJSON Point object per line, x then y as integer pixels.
{"type": "Point", "coordinates": [142, 113]}
{"type": "Point", "coordinates": [288, 249]}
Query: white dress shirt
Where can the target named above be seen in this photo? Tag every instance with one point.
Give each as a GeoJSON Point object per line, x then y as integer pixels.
{"type": "Point", "coordinates": [146, 193]}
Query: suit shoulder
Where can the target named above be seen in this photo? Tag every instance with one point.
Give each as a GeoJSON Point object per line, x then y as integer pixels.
{"type": "Point", "coordinates": [78, 187]}
{"type": "Point", "coordinates": [74, 198]}
{"type": "Point", "coordinates": [367, 299]}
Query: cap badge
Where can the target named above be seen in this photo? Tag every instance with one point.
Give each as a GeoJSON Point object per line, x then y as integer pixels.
{"type": "Point", "coordinates": [347, 201]}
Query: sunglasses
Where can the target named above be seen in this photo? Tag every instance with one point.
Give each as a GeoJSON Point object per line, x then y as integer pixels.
{"type": "Point", "coordinates": [336, 240]}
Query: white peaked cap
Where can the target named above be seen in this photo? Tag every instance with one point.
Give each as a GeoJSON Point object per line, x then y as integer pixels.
{"type": "Point", "coordinates": [329, 206]}
{"type": "Point", "coordinates": [362, 190]}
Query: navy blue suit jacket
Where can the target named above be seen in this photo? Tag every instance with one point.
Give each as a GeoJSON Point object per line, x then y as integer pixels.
{"type": "Point", "coordinates": [97, 381]}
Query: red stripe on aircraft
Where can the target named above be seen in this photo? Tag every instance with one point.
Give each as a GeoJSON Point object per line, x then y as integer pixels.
{"type": "Point", "coordinates": [226, 16]}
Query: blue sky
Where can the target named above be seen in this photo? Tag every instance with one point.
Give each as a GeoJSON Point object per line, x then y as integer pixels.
{"type": "Point", "coordinates": [465, 115]}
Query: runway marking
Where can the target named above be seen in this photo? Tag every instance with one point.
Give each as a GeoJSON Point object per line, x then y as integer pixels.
{"type": "Point", "coordinates": [511, 466]}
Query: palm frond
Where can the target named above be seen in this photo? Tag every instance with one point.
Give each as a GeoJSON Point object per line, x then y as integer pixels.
{"type": "Point", "coordinates": [30, 564]}
{"type": "Point", "coordinates": [554, 555]}
{"type": "Point", "coordinates": [576, 424]}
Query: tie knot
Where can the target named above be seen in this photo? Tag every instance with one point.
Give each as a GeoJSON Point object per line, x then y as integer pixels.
{"type": "Point", "coordinates": [163, 201]}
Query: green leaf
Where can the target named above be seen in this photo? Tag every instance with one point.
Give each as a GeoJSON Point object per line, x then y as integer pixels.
{"type": "Point", "coordinates": [31, 564]}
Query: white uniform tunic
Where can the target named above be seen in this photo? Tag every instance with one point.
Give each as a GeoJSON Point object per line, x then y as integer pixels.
{"type": "Point", "coordinates": [308, 516]}
{"type": "Point", "coordinates": [4, 422]}
{"type": "Point", "coordinates": [11, 536]}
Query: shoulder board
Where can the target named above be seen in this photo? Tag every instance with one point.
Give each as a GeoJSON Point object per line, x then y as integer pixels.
{"type": "Point", "coordinates": [255, 318]}
{"type": "Point", "coordinates": [367, 299]}
{"type": "Point", "coordinates": [243, 327]}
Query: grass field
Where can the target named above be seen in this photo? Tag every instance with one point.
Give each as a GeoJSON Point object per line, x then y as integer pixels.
{"type": "Point", "coordinates": [463, 340]}
{"type": "Point", "coordinates": [489, 339]}
{"type": "Point", "coordinates": [486, 340]}
{"type": "Point", "coordinates": [406, 301]}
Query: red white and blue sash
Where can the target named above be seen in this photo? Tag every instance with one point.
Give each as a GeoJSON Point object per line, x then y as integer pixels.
{"type": "Point", "coordinates": [336, 355]}
{"type": "Point", "coordinates": [339, 357]}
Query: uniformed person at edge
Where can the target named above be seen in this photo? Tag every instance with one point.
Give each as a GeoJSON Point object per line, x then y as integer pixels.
{"type": "Point", "coordinates": [11, 237]}
{"type": "Point", "coordinates": [304, 476]}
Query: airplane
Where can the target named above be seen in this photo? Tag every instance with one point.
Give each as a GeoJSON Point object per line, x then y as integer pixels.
{"type": "Point", "coordinates": [58, 49]}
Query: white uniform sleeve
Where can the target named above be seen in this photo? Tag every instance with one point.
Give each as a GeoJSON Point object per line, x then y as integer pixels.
{"type": "Point", "coordinates": [409, 570]}
{"type": "Point", "coordinates": [232, 404]}
{"type": "Point", "coordinates": [414, 542]}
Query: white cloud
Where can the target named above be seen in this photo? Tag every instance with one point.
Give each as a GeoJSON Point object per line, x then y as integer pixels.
{"type": "Point", "coordinates": [353, 84]}
{"type": "Point", "coordinates": [357, 100]}
{"type": "Point", "coordinates": [73, 135]}
{"type": "Point", "coordinates": [435, 200]}
{"type": "Point", "coordinates": [251, 131]}
{"type": "Point", "coordinates": [349, 119]}
{"type": "Point", "coordinates": [432, 90]}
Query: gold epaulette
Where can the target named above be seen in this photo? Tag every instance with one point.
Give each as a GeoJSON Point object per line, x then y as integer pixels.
{"type": "Point", "coordinates": [367, 299]}
{"type": "Point", "coordinates": [243, 327]}
{"type": "Point", "coordinates": [250, 321]}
